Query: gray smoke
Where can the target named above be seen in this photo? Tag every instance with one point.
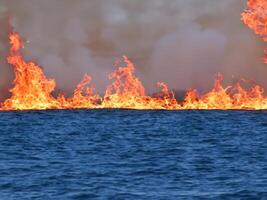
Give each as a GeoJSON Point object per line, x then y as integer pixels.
{"type": "Point", "coordinates": [183, 43]}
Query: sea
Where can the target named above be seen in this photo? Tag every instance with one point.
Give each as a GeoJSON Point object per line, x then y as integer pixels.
{"type": "Point", "coordinates": [131, 154]}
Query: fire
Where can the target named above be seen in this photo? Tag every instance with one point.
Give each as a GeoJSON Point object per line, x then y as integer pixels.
{"type": "Point", "coordinates": [128, 92]}
{"type": "Point", "coordinates": [83, 96]}
{"type": "Point", "coordinates": [255, 17]}
{"type": "Point", "coordinates": [231, 97]}
{"type": "Point", "coordinates": [33, 91]}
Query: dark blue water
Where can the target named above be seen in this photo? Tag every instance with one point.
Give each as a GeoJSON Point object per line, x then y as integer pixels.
{"type": "Point", "coordinates": [124, 154]}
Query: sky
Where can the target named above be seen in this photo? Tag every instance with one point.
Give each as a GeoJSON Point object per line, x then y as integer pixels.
{"type": "Point", "coordinates": [181, 42]}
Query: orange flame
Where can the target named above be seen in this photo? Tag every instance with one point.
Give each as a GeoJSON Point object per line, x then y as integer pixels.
{"type": "Point", "coordinates": [255, 17]}
{"type": "Point", "coordinates": [128, 92]}
{"type": "Point", "coordinates": [82, 97]}
{"type": "Point", "coordinates": [231, 97]}
{"type": "Point", "coordinates": [32, 90]}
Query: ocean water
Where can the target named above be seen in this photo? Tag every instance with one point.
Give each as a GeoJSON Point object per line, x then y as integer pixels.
{"type": "Point", "coordinates": [127, 154]}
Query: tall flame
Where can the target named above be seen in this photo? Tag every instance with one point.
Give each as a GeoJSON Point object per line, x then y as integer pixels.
{"type": "Point", "coordinates": [128, 92]}
{"type": "Point", "coordinates": [255, 17]}
{"type": "Point", "coordinates": [32, 90]}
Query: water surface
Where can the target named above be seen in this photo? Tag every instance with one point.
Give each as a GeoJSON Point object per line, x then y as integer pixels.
{"type": "Point", "coordinates": [127, 154]}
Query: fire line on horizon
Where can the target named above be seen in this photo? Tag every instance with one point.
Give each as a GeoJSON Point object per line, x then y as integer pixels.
{"type": "Point", "coordinates": [33, 91]}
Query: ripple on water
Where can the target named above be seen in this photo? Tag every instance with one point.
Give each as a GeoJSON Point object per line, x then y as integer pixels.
{"type": "Point", "coordinates": [127, 154]}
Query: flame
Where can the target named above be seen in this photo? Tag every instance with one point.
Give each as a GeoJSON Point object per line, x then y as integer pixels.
{"type": "Point", "coordinates": [83, 96]}
{"type": "Point", "coordinates": [255, 17]}
{"type": "Point", "coordinates": [33, 91]}
{"type": "Point", "coordinates": [128, 92]}
{"type": "Point", "coordinates": [231, 97]}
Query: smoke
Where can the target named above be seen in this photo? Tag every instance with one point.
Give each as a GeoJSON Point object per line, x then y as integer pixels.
{"type": "Point", "coordinates": [183, 43]}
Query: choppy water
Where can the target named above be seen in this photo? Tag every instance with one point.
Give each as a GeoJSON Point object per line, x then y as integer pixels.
{"type": "Point", "coordinates": [124, 154]}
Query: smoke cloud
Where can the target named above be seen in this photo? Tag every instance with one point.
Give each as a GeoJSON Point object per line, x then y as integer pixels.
{"type": "Point", "coordinates": [183, 43]}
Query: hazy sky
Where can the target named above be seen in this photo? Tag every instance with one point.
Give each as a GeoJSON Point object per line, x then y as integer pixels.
{"type": "Point", "coordinates": [181, 42]}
